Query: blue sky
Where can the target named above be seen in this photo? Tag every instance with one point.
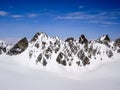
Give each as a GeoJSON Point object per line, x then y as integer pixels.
{"type": "Point", "coordinates": [63, 18]}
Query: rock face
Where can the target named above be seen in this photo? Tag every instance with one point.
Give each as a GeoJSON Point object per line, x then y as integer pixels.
{"type": "Point", "coordinates": [2, 47]}
{"type": "Point", "coordinates": [61, 59]}
{"type": "Point", "coordinates": [117, 42]}
{"type": "Point", "coordinates": [19, 47]}
{"type": "Point", "coordinates": [83, 39]}
{"type": "Point", "coordinates": [109, 53]}
{"type": "Point", "coordinates": [104, 40]}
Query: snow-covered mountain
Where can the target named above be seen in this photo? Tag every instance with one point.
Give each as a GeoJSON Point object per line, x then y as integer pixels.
{"type": "Point", "coordinates": [71, 54]}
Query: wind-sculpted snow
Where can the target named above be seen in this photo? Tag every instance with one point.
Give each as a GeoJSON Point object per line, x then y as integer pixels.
{"type": "Point", "coordinates": [52, 53]}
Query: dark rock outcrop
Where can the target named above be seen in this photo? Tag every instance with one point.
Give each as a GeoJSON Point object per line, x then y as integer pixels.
{"type": "Point", "coordinates": [109, 53]}
{"type": "Point", "coordinates": [35, 37]}
{"type": "Point", "coordinates": [39, 58]}
{"type": "Point", "coordinates": [85, 59]}
{"type": "Point", "coordinates": [61, 59]}
{"type": "Point", "coordinates": [104, 40]}
{"type": "Point", "coordinates": [118, 51]}
{"type": "Point", "coordinates": [117, 42]}
{"type": "Point", "coordinates": [19, 47]}
{"type": "Point", "coordinates": [2, 47]}
{"type": "Point", "coordinates": [2, 50]}
{"type": "Point", "coordinates": [83, 39]}
{"type": "Point", "coordinates": [69, 39]}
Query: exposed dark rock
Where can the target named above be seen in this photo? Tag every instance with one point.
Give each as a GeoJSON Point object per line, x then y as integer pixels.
{"type": "Point", "coordinates": [30, 54]}
{"type": "Point", "coordinates": [60, 56]}
{"type": "Point", "coordinates": [109, 53]}
{"type": "Point", "coordinates": [89, 55]}
{"type": "Point", "coordinates": [56, 50]}
{"type": "Point", "coordinates": [2, 49]}
{"type": "Point", "coordinates": [83, 40]}
{"type": "Point", "coordinates": [0, 52]}
{"type": "Point", "coordinates": [44, 62]}
{"type": "Point", "coordinates": [69, 39]}
{"type": "Point", "coordinates": [64, 62]}
{"type": "Point", "coordinates": [49, 49]}
{"type": "Point", "coordinates": [99, 52]}
{"type": "Point", "coordinates": [81, 55]}
{"type": "Point", "coordinates": [35, 37]}
{"type": "Point", "coordinates": [90, 49]}
{"type": "Point", "coordinates": [48, 52]}
{"type": "Point", "coordinates": [70, 64]}
{"type": "Point", "coordinates": [78, 63]}
{"type": "Point", "coordinates": [118, 51]}
{"type": "Point", "coordinates": [61, 59]}
{"type": "Point", "coordinates": [104, 40]}
{"type": "Point", "coordinates": [94, 52]}
{"type": "Point", "coordinates": [47, 56]}
{"type": "Point", "coordinates": [43, 45]}
{"type": "Point", "coordinates": [117, 42]}
{"type": "Point", "coordinates": [19, 47]}
{"type": "Point", "coordinates": [39, 58]}
{"type": "Point", "coordinates": [86, 61]}
{"type": "Point", "coordinates": [37, 45]}
{"type": "Point", "coordinates": [107, 38]}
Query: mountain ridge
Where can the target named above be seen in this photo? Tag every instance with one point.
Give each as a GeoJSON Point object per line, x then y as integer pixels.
{"type": "Point", "coordinates": [44, 50]}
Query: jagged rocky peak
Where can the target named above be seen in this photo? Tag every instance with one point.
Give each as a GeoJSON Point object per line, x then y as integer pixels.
{"type": "Point", "coordinates": [83, 40]}
{"type": "Point", "coordinates": [69, 39]}
{"type": "Point", "coordinates": [2, 47]}
{"type": "Point", "coordinates": [35, 37]}
{"type": "Point", "coordinates": [19, 47]}
{"type": "Point", "coordinates": [104, 38]}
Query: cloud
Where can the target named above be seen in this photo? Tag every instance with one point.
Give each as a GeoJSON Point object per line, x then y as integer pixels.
{"type": "Point", "coordinates": [32, 15]}
{"type": "Point", "coordinates": [104, 17]}
{"type": "Point", "coordinates": [3, 13]}
{"type": "Point", "coordinates": [17, 16]}
{"type": "Point", "coordinates": [80, 6]}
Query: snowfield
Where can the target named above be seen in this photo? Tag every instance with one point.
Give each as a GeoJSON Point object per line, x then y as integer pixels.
{"type": "Point", "coordinates": [17, 76]}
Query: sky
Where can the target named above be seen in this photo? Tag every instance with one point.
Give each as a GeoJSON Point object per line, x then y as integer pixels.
{"type": "Point", "coordinates": [63, 18]}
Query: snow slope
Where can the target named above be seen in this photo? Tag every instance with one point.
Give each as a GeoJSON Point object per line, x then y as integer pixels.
{"type": "Point", "coordinates": [16, 76]}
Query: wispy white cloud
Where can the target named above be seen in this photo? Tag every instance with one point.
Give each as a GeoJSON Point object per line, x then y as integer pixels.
{"type": "Point", "coordinates": [96, 17]}
{"type": "Point", "coordinates": [32, 15]}
{"type": "Point", "coordinates": [17, 16]}
{"type": "Point", "coordinates": [3, 13]}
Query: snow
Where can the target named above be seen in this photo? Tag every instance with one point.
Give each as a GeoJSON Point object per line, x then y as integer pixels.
{"type": "Point", "coordinates": [14, 75]}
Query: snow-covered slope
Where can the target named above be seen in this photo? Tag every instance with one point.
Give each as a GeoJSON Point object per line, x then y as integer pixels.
{"type": "Point", "coordinates": [14, 76]}
{"type": "Point", "coordinates": [54, 54]}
